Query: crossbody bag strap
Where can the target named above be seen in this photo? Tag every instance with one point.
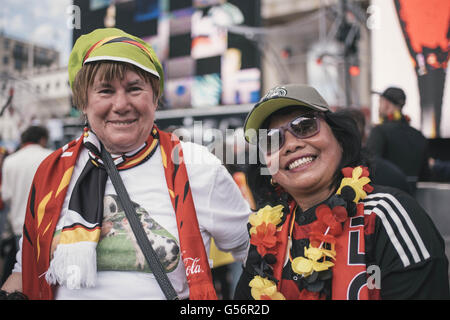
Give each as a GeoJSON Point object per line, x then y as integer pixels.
{"type": "Point", "coordinates": [138, 230]}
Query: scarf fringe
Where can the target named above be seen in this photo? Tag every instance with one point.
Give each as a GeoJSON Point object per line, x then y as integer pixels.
{"type": "Point", "coordinates": [202, 291]}
{"type": "Point", "coordinates": [73, 265]}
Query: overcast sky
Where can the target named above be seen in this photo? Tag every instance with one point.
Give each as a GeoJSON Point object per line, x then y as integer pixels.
{"type": "Point", "coordinates": [42, 22]}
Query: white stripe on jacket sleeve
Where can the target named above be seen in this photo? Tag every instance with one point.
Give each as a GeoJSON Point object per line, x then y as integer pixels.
{"type": "Point", "coordinates": [382, 203]}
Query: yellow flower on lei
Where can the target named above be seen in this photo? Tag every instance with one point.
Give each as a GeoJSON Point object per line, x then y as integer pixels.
{"type": "Point", "coordinates": [263, 288]}
{"type": "Point", "coordinates": [310, 263]}
{"type": "Point", "coordinates": [268, 215]}
{"type": "Point", "coordinates": [357, 183]}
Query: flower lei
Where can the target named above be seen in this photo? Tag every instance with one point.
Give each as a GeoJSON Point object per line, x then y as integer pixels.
{"type": "Point", "coordinates": [318, 257]}
{"type": "Point", "coordinates": [395, 116]}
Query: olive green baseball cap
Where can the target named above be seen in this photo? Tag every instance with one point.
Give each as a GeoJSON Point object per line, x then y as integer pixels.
{"type": "Point", "coordinates": [112, 44]}
{"type": "Point", "coordinates": [278, 98]}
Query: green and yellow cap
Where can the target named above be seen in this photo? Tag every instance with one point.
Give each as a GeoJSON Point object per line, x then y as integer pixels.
{"type": "Point", "coordinates": [112, 44]}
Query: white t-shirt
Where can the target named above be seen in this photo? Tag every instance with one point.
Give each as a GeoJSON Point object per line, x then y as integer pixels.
{"type": "Point", "coordinates": [18, 173]}
{"type": "Point", "coordinates": [222, 213]}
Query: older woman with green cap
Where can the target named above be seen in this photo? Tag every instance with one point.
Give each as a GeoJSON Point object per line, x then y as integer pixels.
{"type": "Point", "coordinates": [323, 231]}
{"type": "Point", "coordinates": [80, 240]}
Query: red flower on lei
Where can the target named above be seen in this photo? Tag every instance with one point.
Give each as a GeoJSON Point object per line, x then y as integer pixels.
{"type": "Point", "coordinates": [328, 224]}
{"type": "Point", "coordinates": [265, 238]}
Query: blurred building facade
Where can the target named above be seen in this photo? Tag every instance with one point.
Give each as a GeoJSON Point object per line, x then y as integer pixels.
{"type": "Point", "coordinates": [219, 62]}
{"type": "Point", "coordinates": [34, 88]}
{"type": "Point", "coordinates": [305, 43]}
{"type": "Point", "coordinates": [19, 56]}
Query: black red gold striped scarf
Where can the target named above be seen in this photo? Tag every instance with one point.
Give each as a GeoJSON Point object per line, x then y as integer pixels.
{"type": "Point", "coordinates": [75, 245]}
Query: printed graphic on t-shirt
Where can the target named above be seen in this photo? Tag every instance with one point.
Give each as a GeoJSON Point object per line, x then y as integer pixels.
{"type": "Point", "coordinates": [118, 249]}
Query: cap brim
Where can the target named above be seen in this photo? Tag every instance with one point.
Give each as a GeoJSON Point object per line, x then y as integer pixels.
{"type": "Point", "coordinates": [122, 59]}
{"type": "Point", "coordinates": [263, 110]}
{"type": "Point", "coordinates": [122, 52]}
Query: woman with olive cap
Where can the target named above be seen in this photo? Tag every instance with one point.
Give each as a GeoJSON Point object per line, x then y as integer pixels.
{"type": "Point", "coordinates": [322, 230]}
{"type": "Point", "coordinates": [78, 243]}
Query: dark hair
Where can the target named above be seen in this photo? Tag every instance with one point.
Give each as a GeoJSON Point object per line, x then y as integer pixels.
{"type": "Point", "coordinates": [34, 134]}
{"type": "Point", "coordinates": [348, 136]}
{"type": "Point", "coordinates": [16, 295]}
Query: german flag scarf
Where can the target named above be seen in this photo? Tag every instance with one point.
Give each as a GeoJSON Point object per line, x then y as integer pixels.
{"type": "Point", "coordinates": [73, 251]}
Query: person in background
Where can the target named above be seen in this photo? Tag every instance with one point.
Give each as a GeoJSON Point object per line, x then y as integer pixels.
{"type": "Point", "coordinates": [3, 155]}
{"type": "Point", "coordinates": [3, 214]}
{"type": "Point", "coordinates": [17, 176]}
{"type": "Point", "coordinates": [322, 230]}
{"type": "Point", "coordinates": [384, 172]}
{"type": "Point", "coordinates": [78, 243]}
{"type": "Point", "coordinates": [395, 140]}
{"type": "Point", "coordinates": [440, 169]}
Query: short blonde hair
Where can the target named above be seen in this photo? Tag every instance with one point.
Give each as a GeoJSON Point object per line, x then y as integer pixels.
{"type": "Point", "coordinates": [108, 71]}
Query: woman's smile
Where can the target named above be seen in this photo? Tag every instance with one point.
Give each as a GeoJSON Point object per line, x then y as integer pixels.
{"type": "Point", "coordinates": [300, 163]}
{"type": "Point", "coordinates": [121, 123]}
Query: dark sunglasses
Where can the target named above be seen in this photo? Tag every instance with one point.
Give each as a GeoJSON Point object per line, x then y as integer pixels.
{"type": "Point", "coordinates": [301, 127]}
